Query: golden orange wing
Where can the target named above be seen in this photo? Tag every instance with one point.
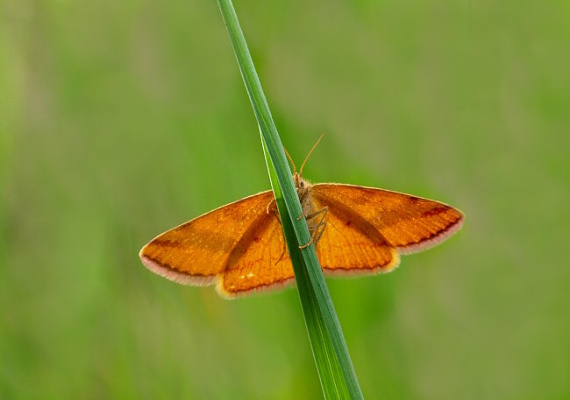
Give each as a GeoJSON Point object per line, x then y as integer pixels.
{"type": "Point", "coordinates": [367, 227]}
{"type": "Point", "coordinates": [237, 246]}
{"type": "Point", "coordinates": [258, 262]}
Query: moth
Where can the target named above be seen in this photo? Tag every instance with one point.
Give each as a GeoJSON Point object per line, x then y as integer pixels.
{"type": "Point", "coordinates": [356, 230]}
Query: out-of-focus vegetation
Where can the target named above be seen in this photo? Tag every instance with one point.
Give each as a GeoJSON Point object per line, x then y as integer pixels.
{"type": "Point", "coordinates": [119, 120]}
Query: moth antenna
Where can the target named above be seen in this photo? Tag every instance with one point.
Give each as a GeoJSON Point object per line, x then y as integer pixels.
{"type": "Point", "coordinates": [310, 152]}
{"type": "Point", "coordinates": [291, 161]}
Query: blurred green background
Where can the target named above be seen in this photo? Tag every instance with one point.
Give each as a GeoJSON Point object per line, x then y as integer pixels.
{"type": "Point", "coordinates": [119, 120]}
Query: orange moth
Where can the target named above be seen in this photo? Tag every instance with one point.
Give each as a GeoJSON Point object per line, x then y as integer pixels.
{"type": "Point", "coordinates": [356, 230]}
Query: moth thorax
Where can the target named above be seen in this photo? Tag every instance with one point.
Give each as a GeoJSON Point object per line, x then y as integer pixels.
{"type": "Point", "coordinates": [304, 191]}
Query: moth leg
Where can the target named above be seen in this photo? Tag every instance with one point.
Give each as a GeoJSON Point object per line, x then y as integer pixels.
{"type": "Point", "coordinates": [284, 245]}
{"type": "Point", "coordinates": [282, 251]}
{"type": "Point", "coordinates": [316, 236]}
{"type": "Point", "coordinates": [304, 246]}
{"type": "Point", "coordinates": [282, 233]}
{"type": "Point", "coordinates": [269, 205]}
{"type": "Point", "coordinates": [319, 228]}
{"type": "Point", "coordinates": [319, 232]}
{"type": "Point", "coordinates": [322, 211]}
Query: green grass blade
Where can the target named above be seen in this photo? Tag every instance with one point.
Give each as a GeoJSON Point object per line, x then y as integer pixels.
{"type": "Point", "coordinates": [333, 362]}
{"type": "Point", "coordinates": [321, 345]}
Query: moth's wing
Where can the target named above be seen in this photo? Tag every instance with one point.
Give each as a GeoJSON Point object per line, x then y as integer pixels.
{"type": "Point", "coordinates": [239, 246]}
{"type": "Point", "coordinates": [373, 225]}
{"type": "Point", "coordinates": [258, 262]}
{"type": "Point", "coordinates": [348, 245]}
{"type": "Point", "coordinates": [197, 251]}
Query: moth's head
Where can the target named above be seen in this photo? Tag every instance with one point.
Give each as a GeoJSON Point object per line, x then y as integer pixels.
{"type": "Point", "coordinates": [300, 183]}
